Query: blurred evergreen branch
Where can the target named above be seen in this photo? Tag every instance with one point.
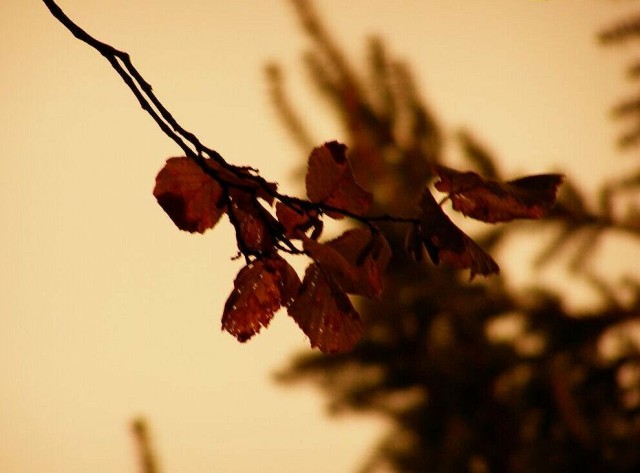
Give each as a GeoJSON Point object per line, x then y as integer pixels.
{"type": "Point", "coordinates": [625, 31]}
{"type": "Point", "coordinates": [146, 455]}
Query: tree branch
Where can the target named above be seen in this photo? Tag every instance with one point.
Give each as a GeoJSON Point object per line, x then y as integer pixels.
{"type": "Point", "coordinates": [188, 141]}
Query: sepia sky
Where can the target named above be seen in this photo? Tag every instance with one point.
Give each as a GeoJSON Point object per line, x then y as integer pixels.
{"type": "Point", "coordinates": [107, 311]}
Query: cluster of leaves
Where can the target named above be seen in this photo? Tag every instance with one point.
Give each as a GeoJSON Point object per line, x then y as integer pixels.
{"type": "Point", "coordinates": [460, 398]}
{"type": "Point", "coordinates": [195, 198]}
{"type": "Point", "coordinates": [197, 189]}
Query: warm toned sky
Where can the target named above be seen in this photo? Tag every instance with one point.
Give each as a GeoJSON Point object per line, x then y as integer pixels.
{"type": "Point", "coordinates": [108, 311]}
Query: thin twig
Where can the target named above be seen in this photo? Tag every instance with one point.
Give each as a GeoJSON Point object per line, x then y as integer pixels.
{"type": "Point", "coordinates": [148, 462]}
{"type": "Point", "coordinates": [186, 140]}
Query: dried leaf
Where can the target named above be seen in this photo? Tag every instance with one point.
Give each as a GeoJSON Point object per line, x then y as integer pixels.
{"type": "Point", "coordinates": [445, 242]}
{"type": "Point", "coordinates": [330, 181]}
{"type": "Point", "coordinates": [255, 226]}
{"type": "Point", "coordinates": [325, 314]}
{"type": "Point", "coordinates": [413, 243]}
{"type": "Point", "coordinates": [260, 289]}
{"type": "Point", "coordinates": [369, 254]}
{"type": "Point", "coordinates": [296, 222]}
{"type": "Point", "coordinates": [494, 201]}
{"type": "Point", "coordinates": [191, 198]}
{"type": "Point", "coordinates": [356, 260]}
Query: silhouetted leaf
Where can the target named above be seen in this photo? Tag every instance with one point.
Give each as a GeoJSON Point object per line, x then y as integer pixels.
{"type": "Point", "coordinates": [445, 242]}
{"type": "Point", "coordinates": [494, 201]}
{"type": "Point", "coordinates": [413, 243]}
{"type": "Point", "coordinates": [325, 314]}
{"type": "Point", "coordinates": [356, 260]}
{"type": "Point", "coordinates": [259, 290]}
{"type": "Point", "coordinates": [369, 253]}
{"type": "Point", "coordinates": [330, 180]}
{"type": "Point", "coordinates": [296, 222]}
{"type": "Point", "coordinates": [256, 225]}
{"type": "Point", "coordinates": [191, 198]}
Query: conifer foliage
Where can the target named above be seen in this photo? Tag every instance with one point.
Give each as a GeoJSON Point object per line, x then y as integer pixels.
{"type": "Point", "coordinates": [627, 30]}
{"type": "Point", "coordinates": [460, 398]}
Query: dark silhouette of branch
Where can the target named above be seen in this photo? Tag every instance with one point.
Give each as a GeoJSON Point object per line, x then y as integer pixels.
{"type": "Point", "coordinates": [624, 31]}
{"type": "Point", "coordinates": [187, 141]}
{"type": "Point", "coordinates": [284, 108]}
{"type": "Point", "coordinates": [148, 461]}
{"type": "Point", "coordinates": [143, 91]}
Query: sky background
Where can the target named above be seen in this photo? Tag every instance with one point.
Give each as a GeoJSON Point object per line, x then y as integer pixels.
{"type": "Point", "coordinates": [107, 311]}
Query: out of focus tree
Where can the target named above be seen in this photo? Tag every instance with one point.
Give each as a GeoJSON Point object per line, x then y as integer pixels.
{"type": "Point", "coordinates": [463, 394]}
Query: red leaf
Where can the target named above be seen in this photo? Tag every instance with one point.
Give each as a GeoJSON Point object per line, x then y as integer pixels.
{"type": "Point", "coordinates": [413, 243]}
{"type": "Point", "coordinates": [330, 180]}
{"type": "Point", "coordinates": [447, 243]}
{"type": "Point", "coordinates": [369, 254]}
{"type": "Point", "coordinates": [356, 260]}
{"type": "Point", "coordinates": [325, 314]}
{"type": "Point", "coordinates": [494, 201]}
{"type": "Point", "coordinates": [260, 289]}
{"type": "Point", "coordinates": [296, 222]}
{"type": "Point", "coordinates": [191, 198]}
{"type": "Point", "coordinates": [255, 226]}
{"type": "Point", "coordinates": [290, 284]}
